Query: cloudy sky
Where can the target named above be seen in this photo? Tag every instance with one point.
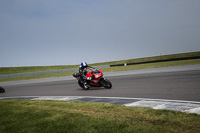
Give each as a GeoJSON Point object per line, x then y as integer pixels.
{"type": "Point", "coordinates": [66, 32]}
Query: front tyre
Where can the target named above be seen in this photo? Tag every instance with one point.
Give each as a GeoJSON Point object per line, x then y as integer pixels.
{"type": "Point", "coordinates": [106, 83]}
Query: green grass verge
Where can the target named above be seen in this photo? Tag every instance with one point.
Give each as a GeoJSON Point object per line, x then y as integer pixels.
{"type": "Point", "coordinates": [76, 117]}
{"type": "Point", "coordinates": [112, 69]}
{"type": "Point", "coordinates": [12, 70]}
{"type": "Point", "coordinates": [154, 58]}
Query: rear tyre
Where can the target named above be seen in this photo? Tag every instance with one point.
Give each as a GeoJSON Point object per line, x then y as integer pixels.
{"type": "Point", "coordinates": [82, 86]}
{"type": "Point", "coordinates": [106, 83]}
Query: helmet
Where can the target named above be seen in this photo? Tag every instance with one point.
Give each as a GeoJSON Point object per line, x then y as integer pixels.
{"type": "Point", "coordinates": [84, 64]}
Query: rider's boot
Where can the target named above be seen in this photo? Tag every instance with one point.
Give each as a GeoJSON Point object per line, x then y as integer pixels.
{"type": "Point", "coordinates": [86, 85]}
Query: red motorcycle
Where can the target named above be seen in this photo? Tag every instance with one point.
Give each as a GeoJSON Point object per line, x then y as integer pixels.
{"type": "Point", "coordinates": [97, 80]}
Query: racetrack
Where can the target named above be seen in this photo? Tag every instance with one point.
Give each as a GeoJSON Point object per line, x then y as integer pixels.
{"type": "Point", "coordinates": [179, 85]}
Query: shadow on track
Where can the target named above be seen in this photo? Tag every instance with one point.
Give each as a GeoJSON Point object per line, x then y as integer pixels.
{"type": "Point", "coordinates": [93, 89]}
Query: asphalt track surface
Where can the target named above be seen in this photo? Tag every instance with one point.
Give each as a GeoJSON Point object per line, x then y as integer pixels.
{"type": "Point", "coordinates": [177, 85]}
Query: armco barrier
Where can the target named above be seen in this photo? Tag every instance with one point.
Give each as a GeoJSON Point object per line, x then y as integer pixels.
{"type": "Point", "coordinates": [155, 61]}
{"type": "Point", "coordinates": [43, 72]}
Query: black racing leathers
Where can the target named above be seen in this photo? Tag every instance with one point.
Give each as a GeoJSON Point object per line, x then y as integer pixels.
{"type": "Point", "coordinates": [83, 72]}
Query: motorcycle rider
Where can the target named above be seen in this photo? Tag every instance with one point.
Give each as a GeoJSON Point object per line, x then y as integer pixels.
{"type": "Point", "coordinates": [83, 71]}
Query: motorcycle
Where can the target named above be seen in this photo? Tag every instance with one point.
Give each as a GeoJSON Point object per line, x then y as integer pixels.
{"type": "Point", "coordinates": [97, 80]}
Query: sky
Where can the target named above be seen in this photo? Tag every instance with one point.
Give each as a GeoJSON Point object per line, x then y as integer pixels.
{"type": "Point", "coordinates": [68, 32]}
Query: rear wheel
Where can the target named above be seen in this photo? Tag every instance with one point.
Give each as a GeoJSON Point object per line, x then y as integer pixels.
{"type": "Point", "coordinates": [106, 83]}
{"type": "Point", "coordinates": [82, 86]}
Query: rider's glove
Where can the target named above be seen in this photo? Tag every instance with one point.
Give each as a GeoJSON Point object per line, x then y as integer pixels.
{"type": "Point", "coordinates": [89, 78]}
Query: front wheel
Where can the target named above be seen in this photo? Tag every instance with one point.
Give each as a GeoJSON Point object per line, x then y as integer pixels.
{"type": "Point", "coordinates": [106, 83]}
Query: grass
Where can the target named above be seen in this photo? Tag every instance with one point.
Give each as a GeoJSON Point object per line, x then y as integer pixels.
{"type": "Point", "coordinates": [112, 69]}
{"type": "Point", "coordinates": [75, 116]}
{"type": "Point", "coordinates": [154, 58]}
{"type": "Point", "coordinates": [12, 70]}
{"type": "Point", "coordinates": [153, 65]}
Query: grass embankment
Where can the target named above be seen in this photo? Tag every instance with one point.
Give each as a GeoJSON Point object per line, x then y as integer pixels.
{"type": "Point", "coordinates": [154, 58]}
{"type": "Point", "coordinates": [12, 70]}
{"type": "Point", "coordinates": [111, 69]}
{"type": "Point", "coordinates": [75, 116]}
